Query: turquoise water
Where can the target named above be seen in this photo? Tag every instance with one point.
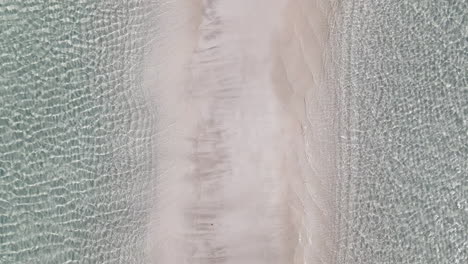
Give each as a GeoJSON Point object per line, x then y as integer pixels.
{"type": "Point", "coordinates": [72, 118]}
{"type": "Point", "coordinates": [403, 186]}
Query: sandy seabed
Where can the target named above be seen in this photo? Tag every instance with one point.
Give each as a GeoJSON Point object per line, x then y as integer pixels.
{"type": "Point", "coordinates": [245, 144]}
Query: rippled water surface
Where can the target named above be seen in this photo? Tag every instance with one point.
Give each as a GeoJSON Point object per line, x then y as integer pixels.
{"type": "Point", "coordinates": [71, 121]}
{"type": "Point", "coordinates": [404, 117]}
{"type": "Point", "coordinates": [75, 131]}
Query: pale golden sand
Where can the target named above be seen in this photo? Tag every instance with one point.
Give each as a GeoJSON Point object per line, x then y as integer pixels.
{"type": "Point", "coordinates": [245, 158]}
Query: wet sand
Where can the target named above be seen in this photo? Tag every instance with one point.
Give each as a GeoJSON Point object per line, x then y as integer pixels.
{"type": "Point", "coordinates": [244, 142]}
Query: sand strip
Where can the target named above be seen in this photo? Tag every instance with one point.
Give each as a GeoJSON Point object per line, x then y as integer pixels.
{"type": "Point", "coordinates": [245, 160]}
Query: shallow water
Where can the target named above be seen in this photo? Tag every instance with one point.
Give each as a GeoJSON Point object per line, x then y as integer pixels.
{"type": "Point", "coordinates": [76, 131]}
{"type": "Point", "coordinates": [403, 185]}
{"type": "Point", "coordinates": [72, 119]}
